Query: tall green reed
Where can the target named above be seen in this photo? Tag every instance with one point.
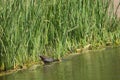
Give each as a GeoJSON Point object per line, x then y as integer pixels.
{"type": "Point", "coordinates": [29, 28]}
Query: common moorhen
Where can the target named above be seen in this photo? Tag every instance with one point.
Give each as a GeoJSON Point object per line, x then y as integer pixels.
{"type": "Point", "coordinates": [48, 60]}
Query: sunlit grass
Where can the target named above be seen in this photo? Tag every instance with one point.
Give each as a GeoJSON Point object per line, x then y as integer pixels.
{"type": "Point", "coordinates": [52, 27]}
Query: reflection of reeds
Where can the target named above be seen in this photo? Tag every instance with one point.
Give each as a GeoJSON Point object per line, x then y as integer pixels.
{"type": "Point", "coordinates": [30, 27]}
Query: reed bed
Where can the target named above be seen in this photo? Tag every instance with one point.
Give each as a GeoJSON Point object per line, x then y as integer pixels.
{"type": "Point", "coordinates": [29, 28]}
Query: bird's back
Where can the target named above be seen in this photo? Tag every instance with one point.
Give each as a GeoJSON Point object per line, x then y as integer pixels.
{"type": "Point", "coordinates": [46, 60]}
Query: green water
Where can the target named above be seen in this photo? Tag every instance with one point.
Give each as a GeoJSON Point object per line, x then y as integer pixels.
{"type": "Point", "coordinates": [97, 65]}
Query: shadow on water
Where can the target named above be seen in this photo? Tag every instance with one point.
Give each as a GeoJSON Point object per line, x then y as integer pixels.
{"type": "Point", "coordinates": [96, 65]}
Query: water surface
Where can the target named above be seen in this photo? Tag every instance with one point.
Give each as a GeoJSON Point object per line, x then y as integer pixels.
{"type": "Point", "coordinates": [96, 65]}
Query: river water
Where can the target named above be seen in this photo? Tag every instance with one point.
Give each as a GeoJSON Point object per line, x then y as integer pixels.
{"type": "Point", "coordinates": [95, 65]}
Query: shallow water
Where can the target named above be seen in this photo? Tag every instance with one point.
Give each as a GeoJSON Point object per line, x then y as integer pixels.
{"type": "Point", "coordinates": [96, 65]}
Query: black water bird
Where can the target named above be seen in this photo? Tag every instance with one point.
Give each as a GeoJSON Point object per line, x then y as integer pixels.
{"type": "Point", "coordinates": [47, 60]}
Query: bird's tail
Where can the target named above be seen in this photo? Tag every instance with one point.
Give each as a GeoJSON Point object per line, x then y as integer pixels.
{"type": "Point", "coordinates": [57, 60]}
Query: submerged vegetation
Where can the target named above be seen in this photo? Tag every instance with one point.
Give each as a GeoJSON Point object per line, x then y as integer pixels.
{"type": "Point", "coordinates": [29, 28]}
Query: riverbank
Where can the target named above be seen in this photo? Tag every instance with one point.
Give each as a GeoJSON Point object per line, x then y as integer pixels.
{"type": "Point", "coordinates": [33, 65]}
{"type": "Point", "coordinates": [30, 66]}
